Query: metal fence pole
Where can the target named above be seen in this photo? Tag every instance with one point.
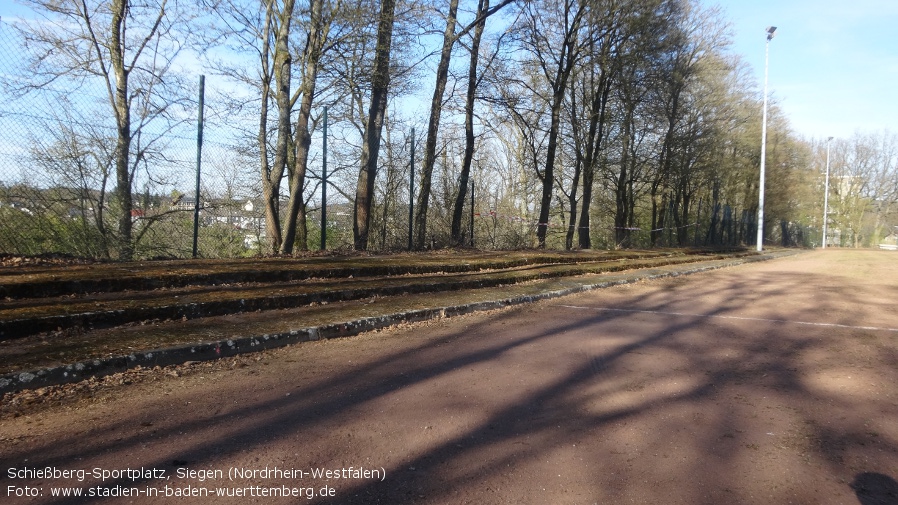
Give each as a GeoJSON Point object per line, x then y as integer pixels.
{"type": "Point", "coordinates": [199, 158]}
{"type": "Point", "coordinates": [698, 220]}
{"type": "Point", "coordinates": [324, 186]}
{"type": "Point", "coordinates": [472, 212]}
{"type": "Point", "coordinates": [411, 194]}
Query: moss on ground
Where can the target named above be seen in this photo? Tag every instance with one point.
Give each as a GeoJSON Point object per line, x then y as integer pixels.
{"type": "Point", "coordinates": [129, 323]}
{"type": "Point", "coordinates": [22, 317]}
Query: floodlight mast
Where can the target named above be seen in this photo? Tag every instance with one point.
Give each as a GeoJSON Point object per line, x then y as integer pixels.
{"type": "Point", "coordinates": [771, 31]}
{"type": "Point", "coordinates": [826, 195]}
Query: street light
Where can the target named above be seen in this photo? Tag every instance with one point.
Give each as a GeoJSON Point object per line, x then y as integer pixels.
{"type": "Point", "coordinates": [771, 30]}
{"type": "Point", "coordinates": [826, 194]}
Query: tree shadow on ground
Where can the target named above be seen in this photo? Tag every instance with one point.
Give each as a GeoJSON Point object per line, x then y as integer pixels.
{"type": "Point", "coordinates": [663, 402]}
{"type": "Point", "coordinates": [875, 489]}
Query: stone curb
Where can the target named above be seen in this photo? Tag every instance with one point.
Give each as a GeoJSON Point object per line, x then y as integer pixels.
{"type": "Point", "coordinates": [76, 372]}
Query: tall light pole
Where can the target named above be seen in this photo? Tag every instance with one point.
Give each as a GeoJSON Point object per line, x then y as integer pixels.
{"type": "Point", "coordinates": [826, 194]}
{"type": "Point", "coordinates": [771, 30]}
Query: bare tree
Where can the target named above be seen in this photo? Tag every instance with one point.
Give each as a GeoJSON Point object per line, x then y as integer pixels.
{"type": "Point", "coordinates": [685, 41]}
{"type": "Point", "coordinates": [130, 48]}
{"type": "Point", "coordinates": [436, 105]}
{"type": "Point", "coordinates": [470, 95]}
{"type": "Point", "coordinates": [864, 182]}
{"type": "Point", "coordinates": [433, 125]}
{"type": "Point", "coordinates": [79, 164]}
{"type": "Point", "coordinates": [380, 83]}
{"type": "Point", "coordinates": [293, 47]}
{"type": "Point", "coordinates": [319, 26]}
{"type": "Point", "coordinates": [277, 65]}
{"type": "Point", "coordinates": [608, 31]}
{"type": "Point", "coordinates": [260, 30]}
{"type": "Point", "coordinates": [549, 33]}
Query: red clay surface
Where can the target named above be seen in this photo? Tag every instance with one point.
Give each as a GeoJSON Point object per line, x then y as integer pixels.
{"type": "Point", "coordinates": [766, 383]}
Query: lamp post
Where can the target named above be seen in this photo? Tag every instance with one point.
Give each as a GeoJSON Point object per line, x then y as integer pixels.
{"type": "Point", "coordinates": [771, 30]}
{"type": "Point", "coordinates": [826, 194]}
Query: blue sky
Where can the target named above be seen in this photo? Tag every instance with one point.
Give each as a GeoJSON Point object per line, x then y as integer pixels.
{"type": "Point", "coordinates": [833, 63]}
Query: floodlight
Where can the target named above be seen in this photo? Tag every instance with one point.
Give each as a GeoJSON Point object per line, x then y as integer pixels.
{"type": "Point", "coordinates": [760, 246]}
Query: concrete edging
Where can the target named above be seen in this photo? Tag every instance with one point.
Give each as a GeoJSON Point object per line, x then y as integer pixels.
{"type": "Point", "coordinates": [77, 372]}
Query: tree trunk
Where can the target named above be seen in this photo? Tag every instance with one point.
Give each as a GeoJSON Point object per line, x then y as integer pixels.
{"type": "Point", "coordinates": [572, 203]}
{"type": "Point", "coordinates": [271, 177]}
{"type": "Point", "coordinates": [622, 194]}
{"type": "Point", "coordinates": [380, 82]}
{"type": "Point", "coordinates": [123, 130]}
{"type": "Point", "coordinates": [468, 158]}
{"type": "Point", "coordinates": [579, 160]}
{"type": "Point", "coordinates": [548, 178]}
{"type": "Point", "coordinates": [433, 126]}
{"type": "Point", "coordinates": [594, 142]}
{"type": "Point", "coordinates": [661, 185]}
{"type": "Point", "coordinates": [296, 207]}
{"type": "Point", "coordinates": [567, 58]}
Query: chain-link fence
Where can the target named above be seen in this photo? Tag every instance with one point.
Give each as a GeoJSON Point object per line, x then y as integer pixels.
{"type": "Point", "coordinates": [59, 193]}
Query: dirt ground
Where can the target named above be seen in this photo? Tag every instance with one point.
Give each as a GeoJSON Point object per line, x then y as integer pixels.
{"type": "Point", "coordinates": [766, 383]}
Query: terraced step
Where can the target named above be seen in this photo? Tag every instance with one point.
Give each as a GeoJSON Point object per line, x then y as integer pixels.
{"type": "Point", "coordinates": [41, 281]}
{"type": "Point", "coordinates": [61, 357]}
{"type": "Point", "coordinates": [24, 317]}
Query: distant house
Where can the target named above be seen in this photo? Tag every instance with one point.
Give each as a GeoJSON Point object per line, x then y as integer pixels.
{"type": "Point", "coordinates": [890, 242]}
{"type": "Point", "coordinates": [241, 215]}
{"type": "Point", "coordinates": [183, 202]}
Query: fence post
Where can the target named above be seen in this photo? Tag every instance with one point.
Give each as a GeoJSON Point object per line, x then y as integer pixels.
{"type": "Point", "coordinates": [324, 186]}
{"type": "Point", "coordinates": [472, 212]}
{"type": "Point", "coordinates": [411, 194]}
{"type": "Point", "coordinates": [698, 219]}
{"type": "Point", "coordinates": [199, 158]}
